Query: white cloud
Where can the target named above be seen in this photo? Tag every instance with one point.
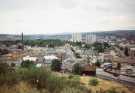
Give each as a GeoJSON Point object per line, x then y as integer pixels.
{"type": "Point", "coordinates": [57, 16]}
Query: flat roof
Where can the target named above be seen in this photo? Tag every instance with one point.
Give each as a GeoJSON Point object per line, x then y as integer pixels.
{"type": "Point", "coordinates": [51, 57]}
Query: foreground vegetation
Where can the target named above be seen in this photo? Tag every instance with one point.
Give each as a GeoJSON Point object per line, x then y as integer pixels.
{"type": "Point", "coordinates": [39, 80]}
{"type": "Point", "coordinates": [29, 79]}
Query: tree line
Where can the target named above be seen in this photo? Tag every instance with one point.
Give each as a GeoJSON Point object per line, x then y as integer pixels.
{"type": "Point", "coordinates": [44, 43]}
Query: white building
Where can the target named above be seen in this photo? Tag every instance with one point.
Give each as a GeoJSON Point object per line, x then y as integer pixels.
{"type": "Point", "coordinates": [76, 37]}
{"type": "Point", "coordinates": [90, 38]}
{"type": "Point", "coordinates": [48, 59]}
{"type": "Point", "coordinates": [33, 59]}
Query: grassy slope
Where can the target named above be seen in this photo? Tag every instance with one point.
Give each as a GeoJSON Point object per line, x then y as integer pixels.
{"type": "Point", "coordinates": [104, 85]}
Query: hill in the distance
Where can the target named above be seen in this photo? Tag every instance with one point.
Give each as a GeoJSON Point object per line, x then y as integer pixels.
{"type": "Point", "coordinates": [129, 34]}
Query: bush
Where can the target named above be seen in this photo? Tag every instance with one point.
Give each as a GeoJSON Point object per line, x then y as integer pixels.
{"type": "Point", "coordinates": [3, 68]}
{"type": "Point", "coordinates": [13, 64]}
{"type": "Point", "coordinates": [9, 79]}
{"type": "Point", "coordinates": [77, 55]}
{"type": "Point", "coordinates": [42, 79]}
{"type": "Point", "coordinates": [55, 84]}
{"type": "Point", "coordinates": [93, 82]}
{"type": "Point", "coordinates": [70, 76]}
{"type": "Point", "coordinates": [27, 64]}
{"type": "Point", "coordinates": [77, 69]}
{"type": "Point", "coordinates": [7, 76]}
{"type": "Point", "coordinates": [56, 65]}
{"type": "Point", "coordinates": [35, 76]}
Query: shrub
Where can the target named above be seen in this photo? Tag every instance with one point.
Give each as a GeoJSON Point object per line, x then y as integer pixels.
{"type": "Point", "coordinates": [9, 79]}
{"type": "Point", "coordinates": [4, 68]}
{"type": "Point", "coordinates": [27, 64]}
{"type": "Point", "coordinates": [6, 76]}
{"type": "Point", "coordinates": [77, 55]}
{"type": "Point", "coordinates": [55, 84]}
{"type": "Point", "coordinates": [35, 76]}
{"type": "Point", "coordinates": [70, 76]}
{"type": "Point", "coordinates": [77, 69]}
{"type": "Point", "coordinates": [93, 82]}
{"type": "Point", "coordinates": [43, 80]}
{"type": "Point", "coordinates": [13, 64]}
{"type": "Point", "coordinates": [56, 65]}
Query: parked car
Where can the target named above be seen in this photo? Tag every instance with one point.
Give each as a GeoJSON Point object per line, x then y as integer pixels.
{"type": "Point", "coordinates": [106, 66]}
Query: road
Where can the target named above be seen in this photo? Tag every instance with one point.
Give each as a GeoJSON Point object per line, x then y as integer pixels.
{"type": "Point", "coordinates": [128, 81]}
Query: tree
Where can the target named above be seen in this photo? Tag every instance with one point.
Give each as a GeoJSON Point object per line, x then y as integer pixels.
{"type": "Point", "coordinates": [56, 65]}
{"type": "Point", "coordinates": [77, 69]}
{"type": "Point", "coordinates": [40, 42]}
{"type": "Point", "coordinates": [13, 64]}
{"type": "Point", "coordinates": [87, 46]}
{"type": "Point", "coordinates": [3, 51]}
{"type": "Point", "coordinates": [106, 45]}
{"type": "Point", "coordinates": [77, 55]}
{"type": "Point", "coordinates": [27, 64]}
{"type": "Point", "coordinates": [98, 64]}
{"type": "Point", "coordinates": [99, 47]}
{"type": "Point", "coordinates": [51, 45]}
{"type": "Point", "coordinates": [119, 66]}
{"type": "Point", "coordinates": [126, 51]}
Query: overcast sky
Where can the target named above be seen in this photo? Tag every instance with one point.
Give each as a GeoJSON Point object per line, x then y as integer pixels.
{"type": "Point", "coordinates": [58, 16]}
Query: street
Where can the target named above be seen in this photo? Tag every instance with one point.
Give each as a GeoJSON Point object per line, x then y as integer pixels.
{"type": "Point", "coordinates": [128, 81]}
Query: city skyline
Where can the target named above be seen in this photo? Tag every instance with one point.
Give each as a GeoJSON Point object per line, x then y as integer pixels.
{"type": "Point", "coordinates": [60, 16]}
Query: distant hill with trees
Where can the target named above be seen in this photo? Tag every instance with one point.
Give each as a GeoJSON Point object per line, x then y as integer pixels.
{"type": "Point", "coordinates": [128, 34]}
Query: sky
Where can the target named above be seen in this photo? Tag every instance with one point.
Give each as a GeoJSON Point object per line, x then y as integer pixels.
{"type": "Point", "coordinates": [59, 16]}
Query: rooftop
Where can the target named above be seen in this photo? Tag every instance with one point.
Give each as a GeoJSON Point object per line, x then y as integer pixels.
{"type": "Point", "coordinates": [51, 57]}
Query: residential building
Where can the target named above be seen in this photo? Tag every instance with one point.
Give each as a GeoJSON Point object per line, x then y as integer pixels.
{"type": "Point", "coordinates": [90, 38]}
{"type": "Point", "coordinates": [132, 52]}
{"type": "Point", "coordinates": [33, 59]}
{"type": "Point", "coordinates": [76, 37]}
{"type": "Point", "coordinates": [89, 69]}
{"type": "Point", "coordinates": [48, 59]}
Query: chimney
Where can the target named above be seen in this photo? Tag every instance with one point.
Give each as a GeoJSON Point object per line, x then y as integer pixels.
{"type": "Point", "coordinates": [22, 41]}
